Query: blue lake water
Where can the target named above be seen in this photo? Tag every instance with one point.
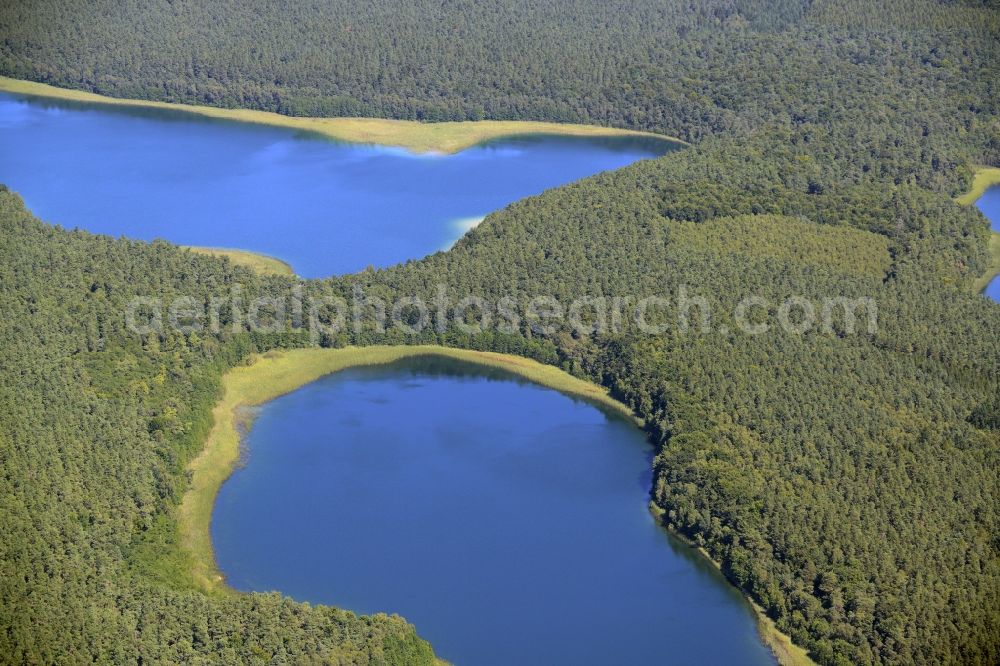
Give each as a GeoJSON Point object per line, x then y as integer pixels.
{"type": "Point", "coordinates": [324, 207]}
{"type": "Point", "coordinates": [507, 521]}
{"type": "Point", "coordinates": [989, 203]}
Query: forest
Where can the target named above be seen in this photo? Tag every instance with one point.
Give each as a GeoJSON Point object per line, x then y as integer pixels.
{"type": "Point", "coordinates": [912, 82]}
{"type": "Point", "coordinates": [847, 483]}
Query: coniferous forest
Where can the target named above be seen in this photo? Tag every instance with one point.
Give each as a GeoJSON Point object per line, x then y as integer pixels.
{"type": "Point", "coordinates": [848, 483]}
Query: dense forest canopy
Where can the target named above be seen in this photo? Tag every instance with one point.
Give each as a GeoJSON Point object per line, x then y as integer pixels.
{"type": "Point", "coordinates": [847, 482]}
{"type": "Point", "coordinates": [926, 69]}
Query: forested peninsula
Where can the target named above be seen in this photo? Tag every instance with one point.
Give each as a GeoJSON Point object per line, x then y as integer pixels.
{"type": "Point", "coordinates": [847, 483]}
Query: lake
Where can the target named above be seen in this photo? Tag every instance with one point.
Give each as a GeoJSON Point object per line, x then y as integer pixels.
{"type": "Point", "coordinates": [507, 521]}
{"type": "Point", "coordinates": [322, 206]}
{"type": "Point", "coordinates": [989, 203]}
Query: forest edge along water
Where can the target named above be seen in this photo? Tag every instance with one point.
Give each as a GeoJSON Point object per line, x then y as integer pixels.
{"type": "Point", "coordinates": [325, 207]}
{"type": "Point", "coordinates": [444, 137]}
{"type": "Point", "coordinates": [255, 261]}
{"type": "Point", "coordinates": [275, 374]}
{"type": "Point", "coordinates": [986, 179]}
{"type": "Point", "coordinates": [985, 194]}
{"type": "Point", "coordinates": [505, 520]}
{"type": "Point", "coordinates": [209, 544]}
{"type": "Point", "coordinates": [449, 137]}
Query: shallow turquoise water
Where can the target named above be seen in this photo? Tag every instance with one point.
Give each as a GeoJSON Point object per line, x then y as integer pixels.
{"type": "Point", "coordinates": [507, 521]}
{"type": "Point", "coordinates": [324, 207]}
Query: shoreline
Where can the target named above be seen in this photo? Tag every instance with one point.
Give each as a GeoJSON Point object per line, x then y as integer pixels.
{"type": "Point", "coordinates": [417, 137]}
{"type": "Point", "coordinates": [277, 373]}
{"type": "Point", "coordinates": [261, 263]}
{"type": "Point", "coordinates": [780, 644]}
{"type": "Point", "coordinates": [984, 178]}
{"type": "Point", "coordinates": [993, 272]}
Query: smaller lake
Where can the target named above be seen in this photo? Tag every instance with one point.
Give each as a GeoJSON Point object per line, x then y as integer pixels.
{"type": "Point", "coordinates": [989, 203]}
{"type": "Point", "coordinates": [507, 521]}
{"type": "Point", "coordinates": [322, 206]}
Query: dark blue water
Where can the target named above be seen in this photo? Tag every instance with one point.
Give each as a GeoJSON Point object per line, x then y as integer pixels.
{"type": "Point", "coordinates": [322, 206]}
{"type": "Point", "coordinates": [989, 203]}
{"type": "Point", "coordinates": [507, 521]}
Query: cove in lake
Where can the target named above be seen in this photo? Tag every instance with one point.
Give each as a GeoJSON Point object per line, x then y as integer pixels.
{"type": "Point", "coordinates": [507, 521]}
{"type": "Point", "coordinates": [989, 204]}
{"type": "Point", "coordinates": [324, 207]}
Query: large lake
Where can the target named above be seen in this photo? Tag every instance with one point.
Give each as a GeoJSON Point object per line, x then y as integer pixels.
{"type": "Point", "coordinates": [324, 207]}
{"type": "Point", "coordinates": [507, 521]}
{"type": "Point", "coordinates": [989, 203]}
